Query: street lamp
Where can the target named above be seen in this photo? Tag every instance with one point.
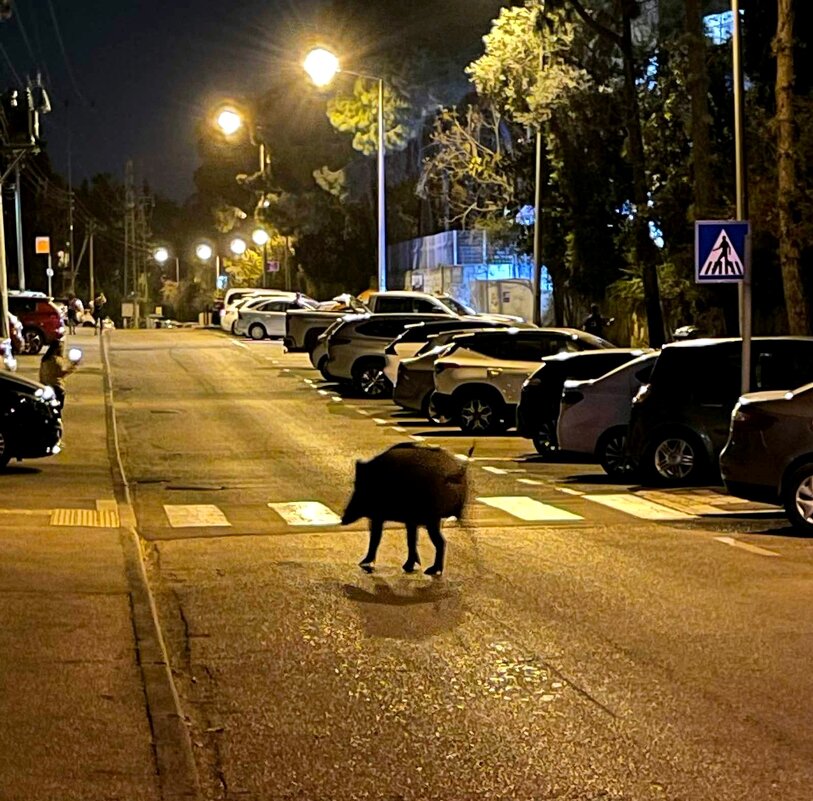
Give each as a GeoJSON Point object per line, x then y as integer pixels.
{"type": "Point", "coordinates": [238, 246]}
{"type": "Point", "coordinates": [259, 237]}
{"type": "Point", "coordinates": [161, 255]}
{"type": "Point", "coordinates": [204, 251]}
{"type": "Point", "coordinates": [229, 120]}
{"type": "Point", "coordinates": [322, 67]}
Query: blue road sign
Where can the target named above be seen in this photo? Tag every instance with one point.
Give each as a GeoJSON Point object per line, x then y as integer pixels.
{"type": "Point", "coordinates": [719, 251]}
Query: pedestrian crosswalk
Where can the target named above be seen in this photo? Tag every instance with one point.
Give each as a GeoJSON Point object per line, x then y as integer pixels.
{"type": "Point", "coordinates": [569, 506]}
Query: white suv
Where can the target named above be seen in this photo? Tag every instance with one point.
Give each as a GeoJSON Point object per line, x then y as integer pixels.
{"type": "Point", "coordinates": [478, 380]}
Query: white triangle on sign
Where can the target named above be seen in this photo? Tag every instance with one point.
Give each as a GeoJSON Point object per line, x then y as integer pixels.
{"type": "Point", "coordinates": [723, 260]}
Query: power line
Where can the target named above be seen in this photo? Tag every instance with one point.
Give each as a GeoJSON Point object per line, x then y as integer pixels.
{"type": "Point", "coordinates": [65, 56]}
{"type": "Point", "coordinates": [10, 65]}
{"type": "Point", "coordinates": [17, 16]}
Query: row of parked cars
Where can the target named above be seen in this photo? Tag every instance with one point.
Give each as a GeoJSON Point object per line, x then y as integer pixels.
{"type": "Point", "coordinates": [664, 417]}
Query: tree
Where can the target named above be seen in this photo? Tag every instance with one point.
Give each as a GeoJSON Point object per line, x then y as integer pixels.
{"type": "Point", "coordinates": [787, 200]}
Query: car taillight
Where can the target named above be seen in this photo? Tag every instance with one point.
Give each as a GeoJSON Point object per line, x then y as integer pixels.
{"type": "Point", "coordinates": [747, 419]}
{"type": "Point", "coordinates": [571, 396]}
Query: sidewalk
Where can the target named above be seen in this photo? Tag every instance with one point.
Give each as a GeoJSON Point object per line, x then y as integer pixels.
{"type": "Point", "coordinates": [72, 700]}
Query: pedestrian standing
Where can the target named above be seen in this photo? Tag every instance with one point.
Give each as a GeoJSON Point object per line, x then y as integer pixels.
{"type": "Point", "coordinates": [594, 323]}
{"type": "Point", "coordinates": [98, 312]}
{"type": "Point", "coordinates": [75, 310]}
{"type": "Point", "coordinates": [54, 366]}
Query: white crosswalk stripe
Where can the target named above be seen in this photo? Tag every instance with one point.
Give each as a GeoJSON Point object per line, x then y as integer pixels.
{"type": "Point", "coordinates": [528, 509]}
{"type": "Point", "coordinates": [194, 515]}
{"type": "Point", "coordinates": [306, 513]}
{"type": "Point", "coordinates": [638, 507]}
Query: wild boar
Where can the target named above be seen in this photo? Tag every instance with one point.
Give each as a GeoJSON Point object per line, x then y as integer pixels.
{"type": "Point", "coordinates": [417, 485]}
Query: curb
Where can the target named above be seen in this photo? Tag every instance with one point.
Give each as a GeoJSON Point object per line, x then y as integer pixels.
{"type": "Point", "coordinates": [172, 743]}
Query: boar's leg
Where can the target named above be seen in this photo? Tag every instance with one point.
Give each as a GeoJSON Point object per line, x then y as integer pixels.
{"type": "Point", "coordinates": [436, 536]}
{"type": "Point", "coordinates": [376, 528]}
{"type": "Point", "coordinates": [412, 548]}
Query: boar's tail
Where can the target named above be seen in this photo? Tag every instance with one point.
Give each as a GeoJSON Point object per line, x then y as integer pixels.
{"type": "Point", "coordinates": [471, 450]}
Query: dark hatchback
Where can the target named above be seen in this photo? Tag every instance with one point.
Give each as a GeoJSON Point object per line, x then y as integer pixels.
{"type": "Point", "coordinates": [538, 409]}
{"type": "Point", "coordinates": [679, 421]}
{"type": "Point", "coordinates": [30, 423]}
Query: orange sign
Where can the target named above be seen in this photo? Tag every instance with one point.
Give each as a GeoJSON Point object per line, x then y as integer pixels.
{"type": "Point", "coordinates": [42, 245]}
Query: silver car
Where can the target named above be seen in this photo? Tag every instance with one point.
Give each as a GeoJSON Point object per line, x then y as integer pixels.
{"type": "Point", "coordinates": [594, 414]}
{"type": "Point", "coordinates": [769, 453]}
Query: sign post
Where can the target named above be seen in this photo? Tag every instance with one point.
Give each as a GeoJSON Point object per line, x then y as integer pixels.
{"type": "Point", "coordinates": [722, 255]}
{"type": "Point", "coordinates": [42, 247]}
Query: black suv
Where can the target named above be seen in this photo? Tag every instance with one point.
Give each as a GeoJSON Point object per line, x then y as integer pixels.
{"type": "Point", "coordinates": [538, 409]}
{"type": "Point", "coordinates": [680, 419]}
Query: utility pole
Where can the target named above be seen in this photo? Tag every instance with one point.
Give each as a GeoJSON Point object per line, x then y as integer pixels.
{"type": "Point", "coordinates": [92, 232]}
{"type": "Point", "coordinates": [18, 215]}
{"type": "Point", "coordinates": [129, 241]}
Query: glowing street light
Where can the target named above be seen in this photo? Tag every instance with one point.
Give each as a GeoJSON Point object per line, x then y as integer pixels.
{"type": "Point", "coordinates": [204, 251]}
{"type": "Point", "coordinates": [260, 237]}
{"type": "Point", "coordinates": [238, 246]}
{"type": "Point", "coordinates": [161, 255]}
{"type": "Point", "coordinates": [229, 120]}
{"type": "Point", "coordinates": [322, 67]}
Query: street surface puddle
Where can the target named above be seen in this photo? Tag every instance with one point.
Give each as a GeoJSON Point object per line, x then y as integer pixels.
{"type": "Point", "coordinates": [518, 676]}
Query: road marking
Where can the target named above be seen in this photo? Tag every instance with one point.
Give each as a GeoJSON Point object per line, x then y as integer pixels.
{"type": "Point", "coordinates": [337, 398]}
{"type": "Point", "coordinates": [638, 507]}
{"type": "Point", "coordinates": [198, 514]}
{"type": "Point", "coordinates": [532, 481]}
{"type": "Point", "coordinates": [569, 491]}
{"type": "Point", "coordinates": [399, 429]}
{"type": "Point", "coordinates": [239, 344]}
{"type": "Point", "coordinates": [380, 421]}
{"type": "Point", "coordinates": [528, 509]}
{"type": "Point", "coordinates": [417, 437]}
{"type": "Point", "coordinates": [746, 546]}
{"type": "Point", "coordinates": [682, 502]}
{"type": "Point", "coordinates": [362, 411]}
{"type": "Point", "coordinates": [462, 457]}
{"type": "Point", "coordinates": [496, 470]}
{"type": "Point", "coordinates": [26, 511]}
{"type": "Point", "coordinates": [323, 392]}
{"type": "Point", "coordinates": [306, 513]}
{"type": "Point", "coordinates": [86, 518]}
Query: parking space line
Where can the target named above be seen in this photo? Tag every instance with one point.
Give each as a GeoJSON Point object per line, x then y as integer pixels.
{"type": "Point", "coordinates": [337, 398]}
{"type": "Point", "coordinates": [569, 491]}
{"type": "Point", "coordinates": [638, 507]}
{"type": "Point", "coordinates": [363, 411]}
{"type": "Point", "coordinates": [528, 509]}
{"type": "Point", "coordinates": [323, 392]}
{"type": "Point", "coordinates": [399, 429]}
{"type": "Point", "coordinates": [380, 421]}
{"type": "Point", "coordinates": [417, 437]}
{"type": "Point", "coordinates": [532, 481]}
{"type": "Point", "coordinates": [497, 471]}
{"type": "Point", "coordinates": [745, 546]}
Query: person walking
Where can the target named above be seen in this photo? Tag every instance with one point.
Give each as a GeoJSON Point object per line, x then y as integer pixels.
{"type": "Point", "coordinates": [75, 310]}
{"type": "Point", "coordinates": [98, 312]}
{"type": "Point", "coordinates": [54, 367]}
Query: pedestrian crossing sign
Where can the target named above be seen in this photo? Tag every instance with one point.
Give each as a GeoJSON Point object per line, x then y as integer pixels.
{"type": "Point", "coordinates": [720, 251]}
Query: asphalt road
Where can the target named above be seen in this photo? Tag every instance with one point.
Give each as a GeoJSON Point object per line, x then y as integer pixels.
{"type": "Point", "coordinates": [587, 652]}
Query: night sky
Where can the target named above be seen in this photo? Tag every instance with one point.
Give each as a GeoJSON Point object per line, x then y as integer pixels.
{"type": "Point", "coordinates": [137, 76]}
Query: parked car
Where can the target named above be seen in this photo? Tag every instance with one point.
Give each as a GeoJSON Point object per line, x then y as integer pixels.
{"type": "Point", "coordinates": [415, 336]}
{"type": "Point", "coordinates": [266, 318]}
{"type": "Point", "coordinates": [406, 302]}
{"type": "Point", "coordinates": [303, 327]}
{"type": "Point", "coordinates": [41, 319]}
{"type": "Point", "coordinates": [30, 424]}
{"type": "Point", "coordinates": [679, 420]}
{"type": "Point", "coordinates": [479, 378]}
{"type": "Point", "coordinates": [594, 414]}
{"type": "Point", "coordinates": [237, 298]}
{"type": "Point", "coordinates": [769, 453]}
{"type": "Point", "coordinates": [541, 395]}
{"type": "Point", "coordinates": [355, 350]}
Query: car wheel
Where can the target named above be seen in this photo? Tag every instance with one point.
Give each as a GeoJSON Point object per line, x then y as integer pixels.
{"type": "Point", "coordinates": [256, 332]}
{"type": "Point", "coordinates": [429, 411]}
{"type": "Point", "coordinates": [480, 415]}
{"type": "Point", "coordinates": [545, 439]}
{"type": "Point", "coordinates": [322, 368]}
{"type": "Point", "coordinates": [674, 459]}
{"type": "Point", "coordinates": [5, 454]}
{"type": "Point", "coordinates": [612, 454]}
{"type": "Point", "coordinates": [370, 380]}
{"type": "Point", "coordinates": [234, 328]}
{"type": "Point", "coordinates": [798, 499]}
{"type": "Point", "coordinates": [33, 341]}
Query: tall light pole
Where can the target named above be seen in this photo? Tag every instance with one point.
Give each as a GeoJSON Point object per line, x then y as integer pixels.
{"type": "Point", "coordinates": [322, 67]}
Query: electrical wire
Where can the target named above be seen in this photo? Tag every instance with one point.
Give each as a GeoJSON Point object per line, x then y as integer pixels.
{"type": "Point", "coordinates": [17, 17]}
{"type": "Point", "coordinates": [65, 56]}
{"type": "Point", "coordinates": [10, 65]}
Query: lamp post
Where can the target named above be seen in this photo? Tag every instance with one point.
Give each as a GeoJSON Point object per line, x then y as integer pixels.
{"type": "Point", "coordinates": [322, 67]}
{"type": "Point", "coordinates": [204, 251]}
{"type": "Point", "coordinates": [259, 236]}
